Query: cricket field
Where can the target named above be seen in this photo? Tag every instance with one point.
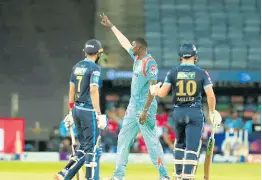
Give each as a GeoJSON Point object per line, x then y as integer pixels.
{"type": "Point", "coordinates": [46, 171]}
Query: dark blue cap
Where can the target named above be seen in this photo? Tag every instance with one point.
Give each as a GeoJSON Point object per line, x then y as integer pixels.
{"type": "Point", "coordinates": [93, 46]}
{"type": "Point", "coordinates": [187, 51]}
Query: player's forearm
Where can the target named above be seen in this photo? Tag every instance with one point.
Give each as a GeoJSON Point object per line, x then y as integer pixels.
{"type": "Point", "coordinates": [71, 97]}
{"type": "Point", "coordinates": [150, 97]}
{"type": "Point", "coordinates": [94, 93]}
{"type": "Point", "coordinates": [162, 93]}
{"type": "Point", "coordinates": [121, 38]}
{"type": "Point", "coordinates": [211, 100]}
{"type": "Point", "coordinates": [164, 90]}
{"type": "Point", "coordinates": [148, 101]}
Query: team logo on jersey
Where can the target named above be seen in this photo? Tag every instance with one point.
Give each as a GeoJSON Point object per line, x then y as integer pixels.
{"type": "Point", "coordinates": [186, 75]}
{"type": "Point", "coordinates": [96, 73]}
{"type": "Point", "coordinates": [153, 67]}
{"type": "Point", "coordinates": [80, 71]}
{"type": "Point", "coordinates": [153, 70]}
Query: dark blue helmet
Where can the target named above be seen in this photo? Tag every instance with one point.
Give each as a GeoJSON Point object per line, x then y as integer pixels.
{"type": "Point", "coordinates": [187, 51]}
{"type": "Point", "coordinates": [93, 46]}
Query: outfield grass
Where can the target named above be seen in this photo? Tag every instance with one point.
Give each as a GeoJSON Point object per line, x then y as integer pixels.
{"type": "Point", "coordinates": [46, 171]}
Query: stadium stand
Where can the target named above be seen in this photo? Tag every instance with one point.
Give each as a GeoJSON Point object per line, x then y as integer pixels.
{"type": "Point", "coordinates": [226, 32]}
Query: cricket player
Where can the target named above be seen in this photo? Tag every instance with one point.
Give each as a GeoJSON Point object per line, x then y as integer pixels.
{"type": "Point", "coordinates": [141, 111]}
{"type": "Point", "coordinates": [188, 82]}
{"type": "Point", "coordinates": [84, 111]}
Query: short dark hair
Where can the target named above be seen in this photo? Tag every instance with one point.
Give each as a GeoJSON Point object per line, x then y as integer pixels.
{"type": "Point", "coordinates": [141, 41]}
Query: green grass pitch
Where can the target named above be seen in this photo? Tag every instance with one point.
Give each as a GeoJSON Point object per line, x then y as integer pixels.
{"type": "Point", "coordinates": [46, 171]}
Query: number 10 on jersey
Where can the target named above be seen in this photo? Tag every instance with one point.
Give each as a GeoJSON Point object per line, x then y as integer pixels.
{"type": "Point", "coordinates": [186, 88]}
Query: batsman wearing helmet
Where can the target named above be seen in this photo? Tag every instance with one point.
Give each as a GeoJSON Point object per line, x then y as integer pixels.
{"type": "Point", "coordinates": [84, 111]}
{"type": "Point", "coordinates": [188, 82]}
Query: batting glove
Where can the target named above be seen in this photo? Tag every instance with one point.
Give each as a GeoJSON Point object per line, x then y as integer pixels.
{"type": "Point", "coordinates": [215, 117]}
{"type": "Point", "coordinates": [68, 121]}
{"type": "Point", "coordinates": [155, 88]}
{"type": "Point", "coordinates": [102, 121]}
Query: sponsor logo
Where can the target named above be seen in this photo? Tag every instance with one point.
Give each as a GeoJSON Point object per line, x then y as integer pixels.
{"type": "Point", "coordinates": [186, 75]}
{"type": "Point", "coordinates": [80, 71]}
{"type": "Point", "coordinates": [89, 45]}
{"type": "Point", "coordinates": [210, 147]}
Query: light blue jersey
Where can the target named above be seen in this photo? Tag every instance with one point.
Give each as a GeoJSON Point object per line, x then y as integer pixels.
{"type": "Point", "coordinates": [144, 70]}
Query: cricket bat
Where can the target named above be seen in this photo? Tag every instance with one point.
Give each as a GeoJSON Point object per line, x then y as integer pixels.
{"type": "Point", "coordinates": [209, 154]}
{"type": "Point", "coordinates": [80, 173]}
{"type": "Point", "coordinates": [96, 146]}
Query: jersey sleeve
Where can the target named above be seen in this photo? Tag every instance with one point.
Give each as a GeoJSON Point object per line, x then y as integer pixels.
{"type": "Point", "coordinates": [207, 80]}
{"type": "Point", "coordinates": [95, 76]}
{"type": "Point", "coordinates": [168, 79]}
{"type": "Point", "coordinates": [73, 77]}
{"type": "Point", "coordinates": [151, 70]}
{"type": "Point", "coordinates": [131, 53]}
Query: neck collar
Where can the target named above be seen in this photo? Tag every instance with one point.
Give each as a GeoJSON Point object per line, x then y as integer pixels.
{"type": "Point", "coordinates": [147, 55]}
{"type": "Point", "coordinates": [88, 59]}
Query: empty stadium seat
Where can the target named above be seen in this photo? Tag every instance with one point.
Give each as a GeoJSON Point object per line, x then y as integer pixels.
{"type": "Point", "coordinates": [227, 33]}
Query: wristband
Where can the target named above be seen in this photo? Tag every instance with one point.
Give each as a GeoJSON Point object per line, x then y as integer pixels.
{"type": "Point", "coordinates": [71, 105]}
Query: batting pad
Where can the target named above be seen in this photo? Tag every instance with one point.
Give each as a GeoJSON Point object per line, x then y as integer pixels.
{"type": "Point", "coordinates": [189, 163]}
{"type": "Point", "coordinates": [74, 168]}
{"type": "Point", "coordinates": [178, 160]}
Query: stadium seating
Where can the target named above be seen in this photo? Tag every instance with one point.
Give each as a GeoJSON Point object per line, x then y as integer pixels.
{"type": "Point", "coordinates": [226, 32]}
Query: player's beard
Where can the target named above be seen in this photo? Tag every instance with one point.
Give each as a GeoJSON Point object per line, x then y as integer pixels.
{"type": "Point", "coordinates": [97, 60]}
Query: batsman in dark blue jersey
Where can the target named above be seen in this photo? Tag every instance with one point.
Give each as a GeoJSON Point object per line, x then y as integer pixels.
{"type": "Point", "coordinates": [84, 111]}
{"type": "Point", "coordinates": [188, 82]}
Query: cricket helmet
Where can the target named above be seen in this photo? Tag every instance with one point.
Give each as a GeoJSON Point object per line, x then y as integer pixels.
{"type": "Point", "coordinates": [187, 51]}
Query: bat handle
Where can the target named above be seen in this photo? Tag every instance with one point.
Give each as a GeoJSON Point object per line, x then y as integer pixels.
{"type": "Point", "coordinates": [72, 135]}
{"type": "Point", "coordinates": [74, 146]}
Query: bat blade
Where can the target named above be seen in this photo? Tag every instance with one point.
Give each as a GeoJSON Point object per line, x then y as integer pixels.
{"type": "Point", "coordinates": [208, 158]}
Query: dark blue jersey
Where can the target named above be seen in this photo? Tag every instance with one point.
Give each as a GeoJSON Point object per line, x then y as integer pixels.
{"type": "Point", "coordinates": [188, 83]}
{"type": "Point", "coordinates": [85, 74]}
